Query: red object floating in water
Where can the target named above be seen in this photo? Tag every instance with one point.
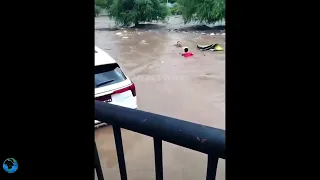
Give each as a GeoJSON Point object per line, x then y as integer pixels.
{"type": "Point", "coordinates": [187, 54]}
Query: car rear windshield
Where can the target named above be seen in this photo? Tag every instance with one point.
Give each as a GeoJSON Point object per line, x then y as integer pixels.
{"type": "Point", "coordinates": [107, 74]}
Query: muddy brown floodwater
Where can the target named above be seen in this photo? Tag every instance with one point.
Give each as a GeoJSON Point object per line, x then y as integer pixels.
{"type": "Point", "coordinates": [191, 89]}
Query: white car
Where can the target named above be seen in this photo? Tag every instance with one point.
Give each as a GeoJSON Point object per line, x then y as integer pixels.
{"type": "Point", "coordinates": [111, 84]}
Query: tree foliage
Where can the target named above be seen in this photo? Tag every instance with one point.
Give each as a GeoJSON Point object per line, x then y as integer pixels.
{"type": "Point", "coordinates": [176, 9]}
{"type": "Point", "coordinates": [172, 1]}
{"type": "Point", "coordinates": [97, 10]}
{"type": "Point", "coordinates": [169, 1]}
{"type": "Point", "coordinates": [103, 3]}
{"type": "Point", "coordinates": [135, 11]}
{"type": "Point", "coordinates": [209, 11]}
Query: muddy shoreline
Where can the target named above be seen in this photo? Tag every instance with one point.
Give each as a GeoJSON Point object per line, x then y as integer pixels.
{"type": "Point", "coordinates": [173, 24]}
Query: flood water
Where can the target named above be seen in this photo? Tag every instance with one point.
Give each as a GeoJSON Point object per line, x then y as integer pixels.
{"type": "Point", "coordinates": [192, 89]}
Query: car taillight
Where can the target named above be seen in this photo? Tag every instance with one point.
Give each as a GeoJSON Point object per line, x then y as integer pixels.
{"type": "Point", "coordinates": [107, 98]}
{"type": "Point", "coordinates": [131, 88]}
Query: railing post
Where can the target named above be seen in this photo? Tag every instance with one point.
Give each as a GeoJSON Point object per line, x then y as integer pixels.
{"type": "Point", "coordinates": [212, 167]}
{"type": "Point", "coordinates": [158, 158]}
{"type": "Point", "coordinates": [97, 164]}
{"type": "Point", "coordinates": [120, 153]}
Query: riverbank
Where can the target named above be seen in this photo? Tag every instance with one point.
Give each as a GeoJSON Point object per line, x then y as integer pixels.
{"type": "Point", "coordinates": [173, 23]}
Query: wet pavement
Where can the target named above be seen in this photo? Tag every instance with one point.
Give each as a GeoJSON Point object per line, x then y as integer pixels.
{"type": "Point", "coordinates": [192, 89]}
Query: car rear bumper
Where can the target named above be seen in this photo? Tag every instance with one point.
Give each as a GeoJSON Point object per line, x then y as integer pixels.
{"type": "Point", "coordinates": [130, 103]}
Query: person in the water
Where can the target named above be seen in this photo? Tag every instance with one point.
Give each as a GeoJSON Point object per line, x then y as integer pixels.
{"type": "Point", "coordinates": [178, 44]}
{"type": "Point", "coordinates": [186, 52]}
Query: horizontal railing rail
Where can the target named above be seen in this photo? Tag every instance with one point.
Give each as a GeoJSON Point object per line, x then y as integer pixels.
{"type": "Point", "coordinates": [190, 135]}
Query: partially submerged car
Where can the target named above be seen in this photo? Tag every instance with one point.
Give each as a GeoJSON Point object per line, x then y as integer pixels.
{"type": "Point", "coordinates": [111, 84]}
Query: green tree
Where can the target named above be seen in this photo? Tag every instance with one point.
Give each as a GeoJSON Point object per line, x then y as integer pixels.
{"type": "Point", "coordinates": [175, 10]}
{"type": "Point", "coordinates": [103, 3]}
{"type": "Point", "coordinates": [209, 11]}
{"type": "Point", "coordinates": [135, 11]}
{"type": "Point", "coordinates": [97, 10]}
{"type": "Point", "coordinates": [169, 1]}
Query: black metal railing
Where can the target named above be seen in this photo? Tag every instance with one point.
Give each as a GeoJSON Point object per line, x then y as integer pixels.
{"type": "Point", "coordinates": [205, 139]}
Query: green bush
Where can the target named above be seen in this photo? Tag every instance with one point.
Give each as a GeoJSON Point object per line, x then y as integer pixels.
{"type": "Point", "coordinates": [103, 4]}
{"type": "Point", "coordinates": [97, 10]}
{"type": "Point", "coordinates": [208, 11]}
{"type": "Point", "coordinates": [175, 10]}
{"type": "Point", "coordinates": [136, 11]}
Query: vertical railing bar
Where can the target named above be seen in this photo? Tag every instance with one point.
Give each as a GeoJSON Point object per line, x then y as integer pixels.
{"type": "Point", "coordinates": [120, 153]}
{"type": "Point", "coordinates": [97, 164]}
{"type": "Point", "coordinates": [212, 167]}
{"type": "Point", "coordinates": [158, 158]}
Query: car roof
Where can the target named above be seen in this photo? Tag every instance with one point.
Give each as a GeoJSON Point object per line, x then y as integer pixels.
{"type": "Point", "coordinates": [101, 57]}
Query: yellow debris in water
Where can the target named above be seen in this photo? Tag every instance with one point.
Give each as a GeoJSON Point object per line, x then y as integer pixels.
{"type": "Point", "coordinates": [217, 47]}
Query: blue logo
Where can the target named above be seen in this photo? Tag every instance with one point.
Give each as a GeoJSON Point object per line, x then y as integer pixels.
{"type": "Point", "coordinates": [10, 165]}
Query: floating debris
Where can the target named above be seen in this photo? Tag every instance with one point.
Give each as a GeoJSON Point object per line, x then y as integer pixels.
{"type": "Point", "coordinates": [203, 33]}
{"type": "Point", "coordinates": [211, 47]}
{"type": "Point", "coordinates": [119, 33]}
{"type": "Point", "coordinates": [212, 34]}
{"type": "Point", "coordinates": [125, 37]}
{"type": "Point", "coordinates": [144, 42]}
